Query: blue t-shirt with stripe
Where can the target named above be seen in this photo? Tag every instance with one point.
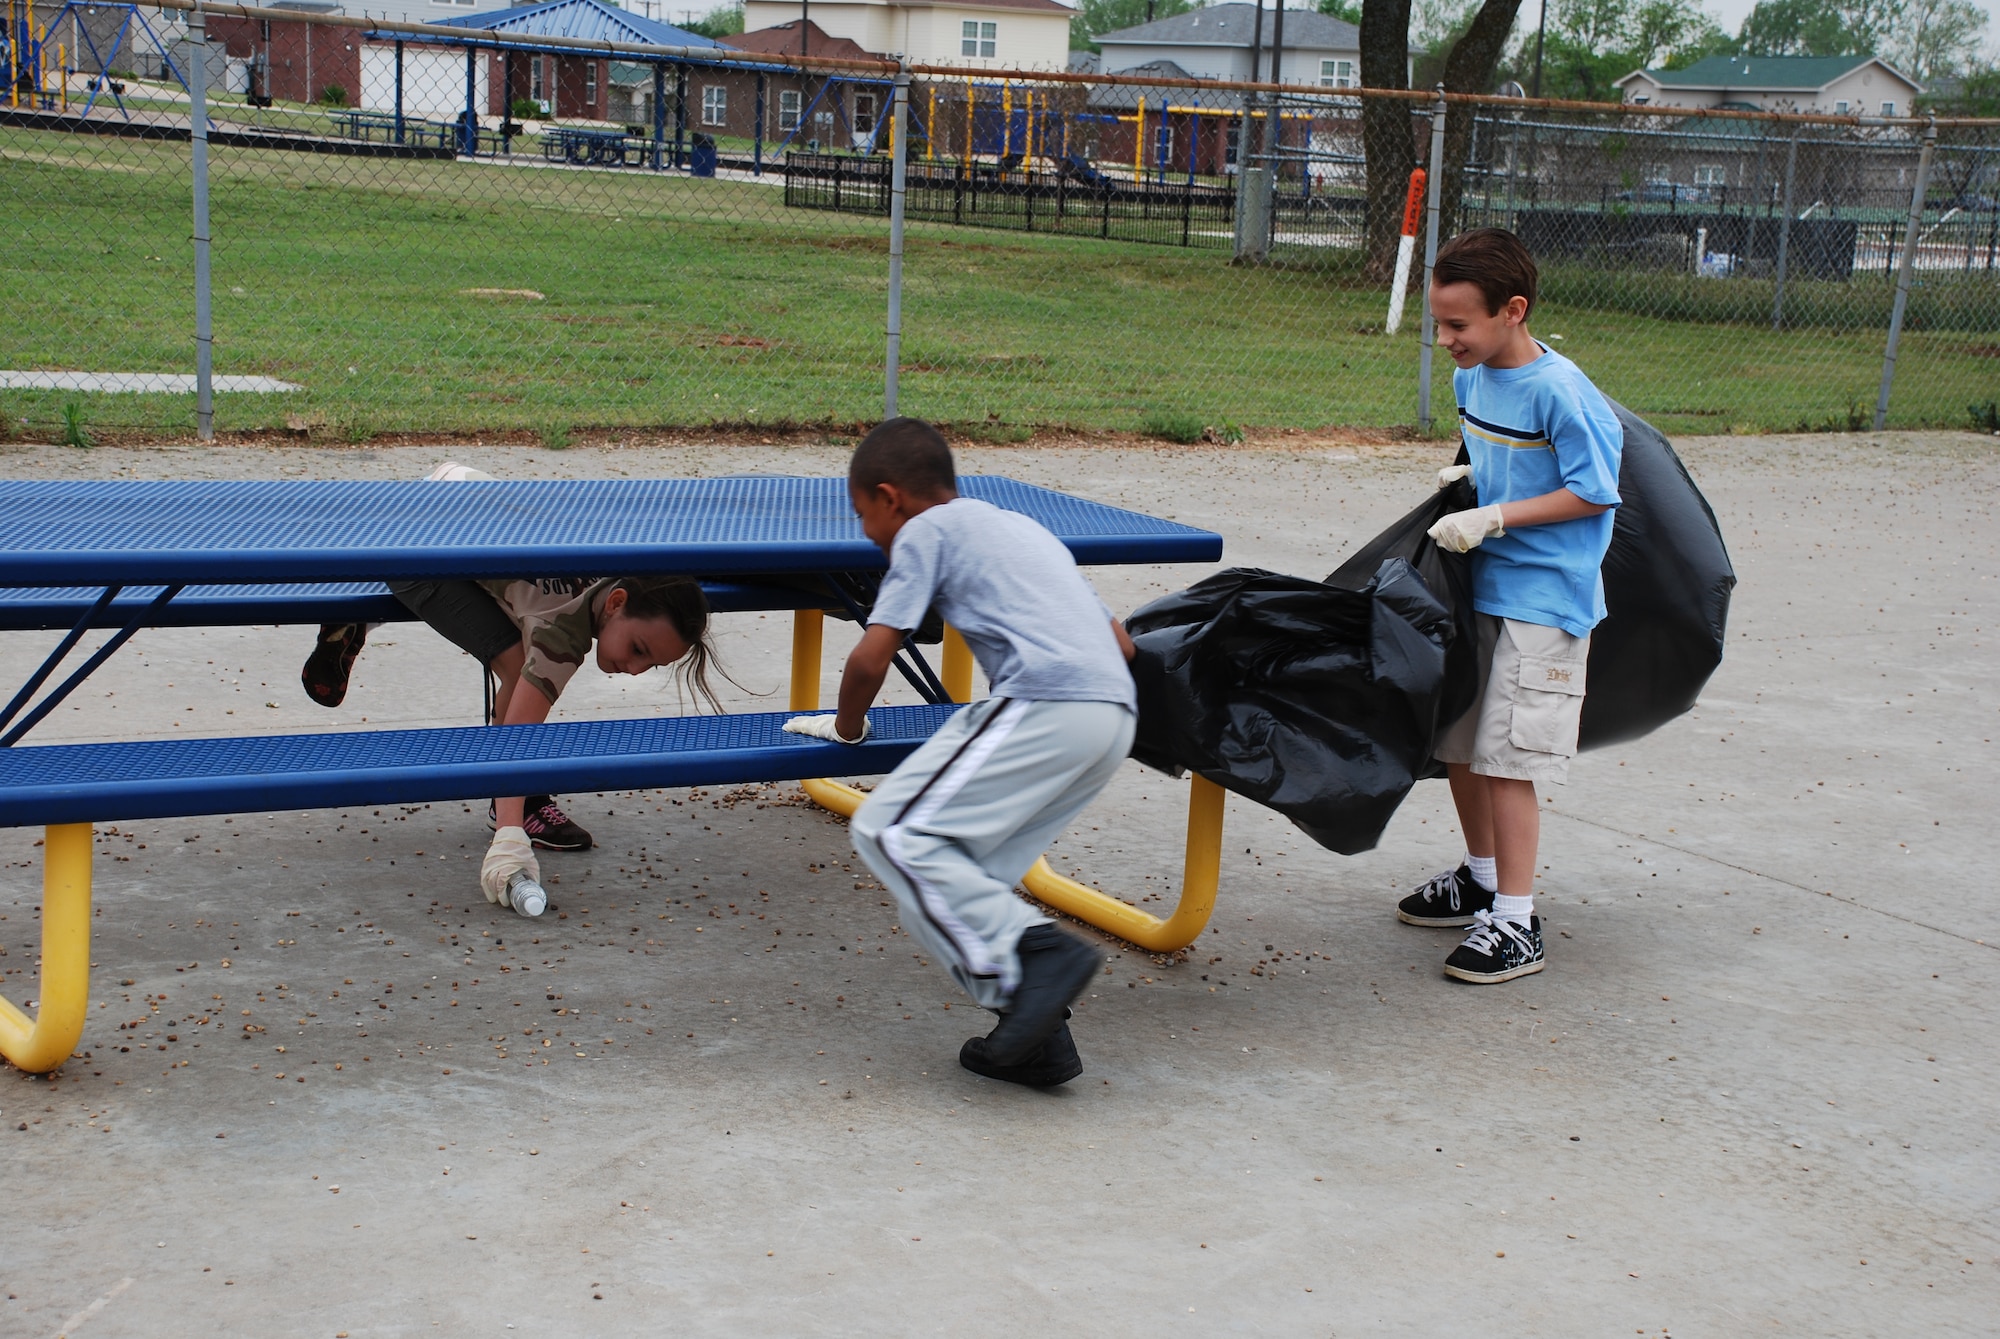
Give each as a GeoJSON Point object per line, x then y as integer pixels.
{"type": "Point", "coordinates": [1530, 430]}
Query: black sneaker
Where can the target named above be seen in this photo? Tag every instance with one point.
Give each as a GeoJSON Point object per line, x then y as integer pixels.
{"type": "Point", "coordinates": [1055, 968]}
{"type": "Point", "coordinates": [1055, 1064]}
{"type": "Point", "coordinates": [546, 824]}
{"type": "Point", "coordinates": [326, 669]}
{"type": "Point", "coordinates": [1497, 950]}
{"type": "Point", "coordinates": [1452, 898]}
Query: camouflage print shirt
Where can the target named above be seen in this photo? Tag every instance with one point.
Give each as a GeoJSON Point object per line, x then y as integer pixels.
{"type": "Point", "coordinates": [557, 617]}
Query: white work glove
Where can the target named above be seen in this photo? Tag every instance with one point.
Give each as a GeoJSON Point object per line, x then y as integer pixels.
{"type": "Point", "coordinates": [821, 727]}
{"type": "Point", "coordinates": [1451, 474]}
{"type": "Point", "coordinates": [511, 853]}
{"type": "Point", "coordinates": [1464, 531]}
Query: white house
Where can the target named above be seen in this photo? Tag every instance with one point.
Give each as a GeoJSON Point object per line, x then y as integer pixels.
{"type": "Point", "coordinates": [993, 34]}
{"type": "Point", "coordinates": [1832, 85]}
{"type": "Point", "coordinates": [1215, 43]}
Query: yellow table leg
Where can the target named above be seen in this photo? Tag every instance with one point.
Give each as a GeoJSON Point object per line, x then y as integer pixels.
{"type": "Point", "coordinates": [44, 1042]}
{"type": "Point", "coordinates": [1201, 873]}
{"type": "Point", "coordinates": [808, 631]}
{"type": "Point", "coordinates": [957, 673]}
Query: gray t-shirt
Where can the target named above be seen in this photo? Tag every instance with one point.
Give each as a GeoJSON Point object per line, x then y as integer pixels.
{"type": "Point", "coordinates": [1012, 590]}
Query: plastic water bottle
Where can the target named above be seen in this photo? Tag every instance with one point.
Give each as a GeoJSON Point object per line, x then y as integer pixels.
{"type": "Point", "coordinates": [525, 895]}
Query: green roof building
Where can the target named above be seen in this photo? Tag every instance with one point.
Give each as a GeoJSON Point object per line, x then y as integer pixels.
{"type": "Point", "coordinates": [1831, 85]}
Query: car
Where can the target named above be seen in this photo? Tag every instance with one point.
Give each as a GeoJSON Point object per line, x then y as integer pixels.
{"type": "Point", "coordinates": [1666, 193]}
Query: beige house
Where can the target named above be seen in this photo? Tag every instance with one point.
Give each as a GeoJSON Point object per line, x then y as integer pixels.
{"type": "Point", "coordinates": [1832, 85]}
{"type": "Point", "coordinates": [989, 34]}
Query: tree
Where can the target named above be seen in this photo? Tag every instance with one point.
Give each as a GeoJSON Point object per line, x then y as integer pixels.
{"type": "Point", "coordinates": [1095, 17]}
{"type": "Point", "coordinates": [1348, 10]}
{"type": "Point", "coordinates": [723, 21]}
{"type": "Point", "coordinates": [1794, 28]}
{"type": "Point", "coordinates": [1936, 38]}
{"type": "Point", "coordinates": [1387, 137]}
{"type": "Point", "coordinates": [1593, 43]}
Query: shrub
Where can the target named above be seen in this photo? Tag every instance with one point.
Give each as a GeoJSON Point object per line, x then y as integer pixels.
{"type": "Point", "coordinates": [333, 95]}
{"type": "Point", "coordinates": [74, 433]}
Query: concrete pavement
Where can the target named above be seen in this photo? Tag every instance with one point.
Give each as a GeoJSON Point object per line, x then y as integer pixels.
{"type": "Point", "coordinates": [331, 1091]}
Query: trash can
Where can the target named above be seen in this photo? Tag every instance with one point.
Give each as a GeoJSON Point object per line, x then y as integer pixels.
{"type": "Point", "coordinates": [701, 161]}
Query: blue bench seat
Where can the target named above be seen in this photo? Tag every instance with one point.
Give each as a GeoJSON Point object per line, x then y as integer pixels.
{"type": "Point", "coordinates": [166, 778]}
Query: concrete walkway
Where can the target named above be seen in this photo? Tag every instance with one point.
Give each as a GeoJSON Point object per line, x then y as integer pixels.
{"type": "Point", "coordinates": [329, 1091]}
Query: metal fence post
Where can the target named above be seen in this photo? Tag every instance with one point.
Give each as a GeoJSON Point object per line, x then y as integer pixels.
{"type": "Point", "coordinates": [1910, 236]}
{"type": "Point", "coordinates": [470, 133]}
{"type": "Point", "coordinates": [399, 92]}
{"type": "Point", "coordinates": [899, 173]}
{"type": "Point", "coordinates": [658, 157]}
{"type": "Point", "coordinates": [204, 340]}
{"type": "Point", "coordinates": [1436, 180]}
{"type": "Point", "coordinates": [1785, 233]}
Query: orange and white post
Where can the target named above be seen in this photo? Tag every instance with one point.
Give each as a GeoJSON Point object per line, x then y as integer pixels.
{"type": "Point", "coordinates": [1406, 247]}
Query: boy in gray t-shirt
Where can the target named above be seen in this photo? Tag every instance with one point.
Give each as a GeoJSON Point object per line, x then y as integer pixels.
{"type": "Point", "coordinates": [954, 828]}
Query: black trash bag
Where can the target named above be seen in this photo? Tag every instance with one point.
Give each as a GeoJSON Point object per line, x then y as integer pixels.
{"type": "Point", "coordinates": [1667, 581]}
{"type": "Point", "coordinates": [1322, 700]}
{"type": "Point", "coordinates": [1319, 701]}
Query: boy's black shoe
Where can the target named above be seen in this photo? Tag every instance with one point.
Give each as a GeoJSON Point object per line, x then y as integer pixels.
{"type": "Point", "coordinates": [1055, 967]}
{"type": "Point", "coordinates": [1497, 950]}
{"type": "Point", "coordinates": [326, 670]}
{"type": "Point", "coordinates": [1452, 898]}
{"type": "Point", "coordinates": [1056, 1063]}
{"type": "Point", "coordinates": [546, 824]}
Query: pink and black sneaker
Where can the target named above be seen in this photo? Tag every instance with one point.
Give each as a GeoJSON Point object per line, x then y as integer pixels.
{"type": "Point", "coordinates": [547, 826]}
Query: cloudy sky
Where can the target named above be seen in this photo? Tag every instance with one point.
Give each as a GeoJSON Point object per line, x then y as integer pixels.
{"type": "Point", "coordinates": [1731, 12]}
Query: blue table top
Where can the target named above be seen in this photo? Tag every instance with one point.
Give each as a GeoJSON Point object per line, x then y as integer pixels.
{"type": "Point", "coordinates": [64, 533]}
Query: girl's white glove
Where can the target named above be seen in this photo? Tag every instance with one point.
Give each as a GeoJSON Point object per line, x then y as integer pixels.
{"type": "Point", "coordinates": [1451, 474]}
{"type": "Point", "coordinates": [510, 853]}
{"type": "Point", "coordinates": [821, 727]}
{"type": "Point", "coordinates": [1464, 531]}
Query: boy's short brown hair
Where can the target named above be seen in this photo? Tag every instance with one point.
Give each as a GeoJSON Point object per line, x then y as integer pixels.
{"type": "Point", "coordinates": [1494, 261]}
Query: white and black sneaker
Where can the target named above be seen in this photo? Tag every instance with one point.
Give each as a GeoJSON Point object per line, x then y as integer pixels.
{"type": "Point", "coordinates": [1452, 898]}
{"type": "Point", "coordinates": [1497, 950]}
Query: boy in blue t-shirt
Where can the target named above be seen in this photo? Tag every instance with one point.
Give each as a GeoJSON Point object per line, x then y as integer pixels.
{"type": "Point", "coordinates": [952, 830]}
{"type": "Point", "coordinates": [1544, 446]}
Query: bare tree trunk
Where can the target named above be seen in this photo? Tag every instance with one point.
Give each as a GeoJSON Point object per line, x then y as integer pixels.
{"type": "Point", "coordinates": [1386, 141]}
{"type": "Point", "coordinates": [1469, 69]}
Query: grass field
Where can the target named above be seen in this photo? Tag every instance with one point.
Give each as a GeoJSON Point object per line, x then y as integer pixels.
{"type": "Point", "coordinates": [400, 296]}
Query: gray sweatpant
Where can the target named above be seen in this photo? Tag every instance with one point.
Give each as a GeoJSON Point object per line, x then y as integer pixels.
{"type": "Point", "coordinates": [955, 827]}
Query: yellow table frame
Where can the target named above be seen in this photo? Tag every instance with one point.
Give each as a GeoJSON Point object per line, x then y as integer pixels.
{"type": "Point", "coordinates": [1201, 872]}
{"type": "Point", "coordinates": [43, 1042]}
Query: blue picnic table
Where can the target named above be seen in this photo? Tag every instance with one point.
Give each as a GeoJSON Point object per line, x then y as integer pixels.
{"type": "Point", "coordinates": [127, 555]}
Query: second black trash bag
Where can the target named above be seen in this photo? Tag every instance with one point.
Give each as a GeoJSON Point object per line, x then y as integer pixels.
{"type": "Point", "coordinates": [1316, 700]}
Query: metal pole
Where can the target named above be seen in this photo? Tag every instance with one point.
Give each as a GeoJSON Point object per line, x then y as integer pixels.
{"type": "Point", "coordinates": [399, 91]}
{"type": "Point", "coordinates": [204, 336]}
{"type": "Point", "coordinates": [1903, 273]}
{"type": "Point", "coordinates": [757, 144]}
{"type": "Point", "coordinates": [898, 183]}
{"type": "Point", "coordinates": [1784, 234]}
{"type": "Point", "coordinates": [659, 154]}
{"type": "Point", "coordinates": [470, 133]}
{"type": "Point", "coordinates": [1435, 181]}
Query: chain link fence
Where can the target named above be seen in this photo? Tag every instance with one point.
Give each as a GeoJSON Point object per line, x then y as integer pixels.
{"type": "Point", "coordinates": [418, 229]}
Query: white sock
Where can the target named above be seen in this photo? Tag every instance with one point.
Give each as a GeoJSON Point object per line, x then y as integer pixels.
{"type": "Point", "coordinates": [1484, 872]}
{"type": "Point", "coordinates": [1516, 909]}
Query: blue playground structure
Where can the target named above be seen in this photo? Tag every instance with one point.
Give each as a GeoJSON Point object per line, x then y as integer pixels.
{"type": "Point", "coordinates": [38, 76]}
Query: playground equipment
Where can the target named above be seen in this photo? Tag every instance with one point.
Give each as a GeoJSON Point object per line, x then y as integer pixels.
{"type": "Point", "coordinates": [24, 53]}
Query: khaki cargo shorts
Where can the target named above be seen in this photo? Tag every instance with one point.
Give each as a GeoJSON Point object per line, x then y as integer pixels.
{"type": "Point", "coordinates": [1524, 723]}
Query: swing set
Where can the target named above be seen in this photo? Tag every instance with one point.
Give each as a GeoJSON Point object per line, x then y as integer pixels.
{"type": "Point", "coordinates": [24, 55]}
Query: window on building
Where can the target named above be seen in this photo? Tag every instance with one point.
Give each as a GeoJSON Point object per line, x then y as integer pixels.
{"type": "Point", "coordinates": [1888, 109]}
{"type": "Point", "coordinates": [1336, 74]}
{"type": "Point", "coordinates": [538, 88]}
{"type": "Point", "coordinates": [590, 83]}
{"type": "Point", "coordinates": [978, 39]}
{"type": "Point", "coordinates": [715, 105]}
{"type": "Point", "coordinates": [864, 113]}
{"type": "Point", "coordinates": [1642, 99]}
{"type": "Point", "coordinates": [790, 104]}
{"type": "Point", "coordinates": [1840, 108]}
{"type": "Point", "coordinates": [1711, 175]}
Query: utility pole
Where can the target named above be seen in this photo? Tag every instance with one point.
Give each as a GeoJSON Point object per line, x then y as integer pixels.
{"type": "Point", "coordinates": [1541, 26]}
{"type": "Point", "coordinates": [805, 18]}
